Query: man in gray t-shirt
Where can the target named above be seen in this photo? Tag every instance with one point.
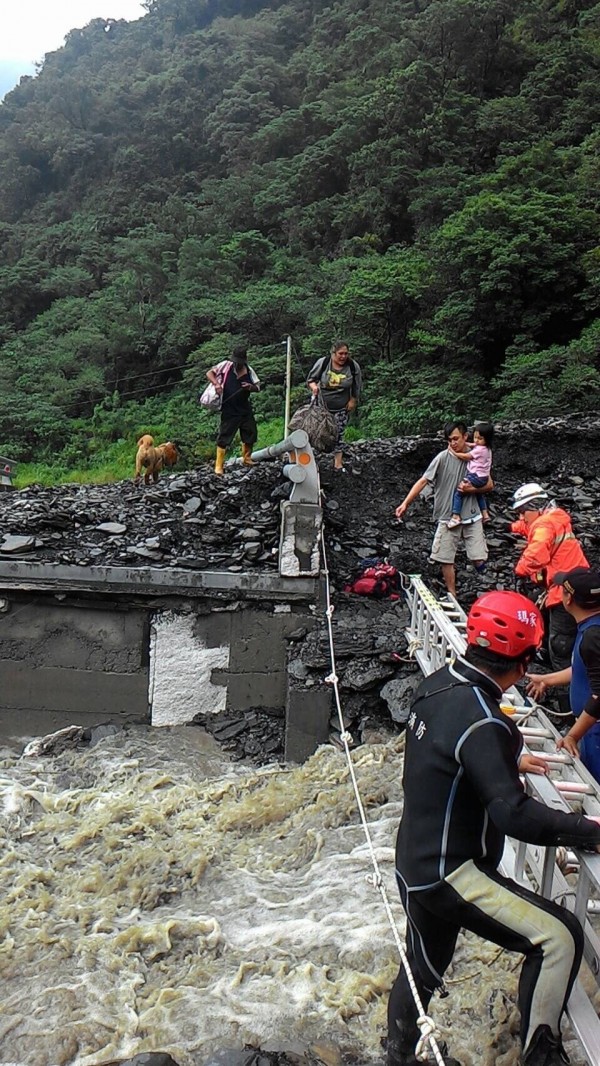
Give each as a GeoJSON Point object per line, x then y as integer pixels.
{"type": "Point", "coordinates": [444, 474]}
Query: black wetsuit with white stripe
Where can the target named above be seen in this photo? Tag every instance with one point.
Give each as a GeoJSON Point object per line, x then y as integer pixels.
{"type": "Point", "coordinates": [462, 795]}
{"type": "Point", "coordinates": [462, 792]}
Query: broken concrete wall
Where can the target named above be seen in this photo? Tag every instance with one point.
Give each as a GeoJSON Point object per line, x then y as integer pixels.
{"type": "Point", "coordinates": [221, 658]}
{"type": "Point", "coordinates": [66, 662]}
{"type": "Point", "coordinates": [63, 664]}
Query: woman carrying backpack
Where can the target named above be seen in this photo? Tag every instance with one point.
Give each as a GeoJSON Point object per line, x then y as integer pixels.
{"type": "Point", "coordinates": [339, 379]}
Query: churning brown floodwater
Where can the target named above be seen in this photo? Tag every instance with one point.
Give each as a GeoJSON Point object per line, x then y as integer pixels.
{"type": "Point", "coordinates": [154, 897]}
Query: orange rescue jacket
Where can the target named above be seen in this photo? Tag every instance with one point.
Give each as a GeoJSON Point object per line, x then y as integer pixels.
{"type": "Point", "coordinates": [551, 547]}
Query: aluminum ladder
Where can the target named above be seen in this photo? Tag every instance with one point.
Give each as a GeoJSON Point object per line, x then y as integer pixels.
{"type": "Point", "coordinates": [436, 634]}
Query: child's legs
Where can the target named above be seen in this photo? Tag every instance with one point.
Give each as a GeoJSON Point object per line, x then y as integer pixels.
{"type": "Point", "coordinates": [478, 481]}
{"type": "Point", "coordinates": [457, 502]}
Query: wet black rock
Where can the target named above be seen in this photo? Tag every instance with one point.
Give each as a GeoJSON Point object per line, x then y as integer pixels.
{"type": "Point", "coordinates": [197, 521]}
{"type": "Point", "coordinates": [361, 675]}
{"type": "Point", "coordinates": [399, 693]}
{"type": "Point", "coordinates": [257, 734]}
{"type": "Point", "coordinates": [368, 637]}
{"type": "Point", "coordinates": [149, 1058]}
{"type": "Point", "coordinates": [257, 1057]}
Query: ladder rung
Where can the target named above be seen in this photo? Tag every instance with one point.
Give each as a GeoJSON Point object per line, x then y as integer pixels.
{"type": "Point", "coordinates": [535, 732]}
{"type": "Point", "coordinates": [574, 788]}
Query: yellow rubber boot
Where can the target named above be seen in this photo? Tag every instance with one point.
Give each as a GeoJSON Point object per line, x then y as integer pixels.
{"type": "Point", "coordinates": [247, 455]}
{"type": "Point", "coordinates": [219, 461]}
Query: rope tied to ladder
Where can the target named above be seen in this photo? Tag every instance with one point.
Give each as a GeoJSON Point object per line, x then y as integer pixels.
{"type": "Point", "coordinates": [429, 1037]}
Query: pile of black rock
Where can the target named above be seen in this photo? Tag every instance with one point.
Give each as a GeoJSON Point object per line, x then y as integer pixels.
{"type": "Point", "coordinates": [196, 520]}
{"type": "Point", "coordinates": [192, 520]}
{"type": "Point", "coordinates": [245, 1057]}
{"type": "Point", "coordinates": [256, 735]}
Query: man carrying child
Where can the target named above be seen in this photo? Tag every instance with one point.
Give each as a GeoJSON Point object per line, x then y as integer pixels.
{"type": "Point", "coordinates": [478, 458]}
{"type": "Point", "coordinates": [444, 474]}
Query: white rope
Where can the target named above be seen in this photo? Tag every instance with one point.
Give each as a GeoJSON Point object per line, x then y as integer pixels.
{"type": "Point", "coordinates": [429, 1033]}
{"type": "Point", "coordinates": [413, 647]}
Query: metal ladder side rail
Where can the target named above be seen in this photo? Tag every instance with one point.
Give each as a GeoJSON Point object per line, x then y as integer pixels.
{"type": "Point", "coordinates": [431, 632]}
{"type": "Point", "coordinates": [520, 857]}
{"type": "Point", "coordinates": [580, 1010]}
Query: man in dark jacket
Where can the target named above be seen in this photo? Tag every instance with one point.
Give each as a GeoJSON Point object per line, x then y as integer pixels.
{"type": "Point", "coordinates": [581, 599]}
{"type": "Point", "coordinates": [451, 836]}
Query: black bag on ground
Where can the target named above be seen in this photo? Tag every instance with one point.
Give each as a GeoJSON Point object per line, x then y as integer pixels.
{"type": "Point", "coordinates": [318, 422]}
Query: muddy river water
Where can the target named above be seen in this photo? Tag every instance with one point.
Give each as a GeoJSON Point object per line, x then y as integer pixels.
{"type": "Point", "coordinates": [154, 897]}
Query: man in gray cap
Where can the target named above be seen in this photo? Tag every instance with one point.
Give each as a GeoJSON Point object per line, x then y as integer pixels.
{"type": "Point", "coordinates": [580, 589]}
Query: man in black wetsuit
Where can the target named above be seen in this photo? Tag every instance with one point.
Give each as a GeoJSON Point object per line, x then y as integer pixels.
{"type": "Point", "coordinates": [467, 754]}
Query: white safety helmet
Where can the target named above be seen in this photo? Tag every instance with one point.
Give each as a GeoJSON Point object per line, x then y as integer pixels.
{"type": "Point", "coordinates": [529, 493]}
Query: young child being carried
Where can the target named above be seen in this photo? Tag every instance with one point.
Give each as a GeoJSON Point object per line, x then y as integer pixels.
{"type": "Point", "coordinates": [479, 464]}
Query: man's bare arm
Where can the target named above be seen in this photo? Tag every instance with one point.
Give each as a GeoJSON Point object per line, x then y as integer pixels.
{"type": "Point", "coordinates": [410, 496]}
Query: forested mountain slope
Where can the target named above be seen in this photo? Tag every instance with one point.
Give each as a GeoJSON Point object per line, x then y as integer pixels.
{"type": "Point", "coordinates": [419, 176]}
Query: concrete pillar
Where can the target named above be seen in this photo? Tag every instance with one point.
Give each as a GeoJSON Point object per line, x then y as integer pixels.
{"type": "Point", "coordinates": [307, 715]}
{"type": "Point", "coordinates": [299, 554]}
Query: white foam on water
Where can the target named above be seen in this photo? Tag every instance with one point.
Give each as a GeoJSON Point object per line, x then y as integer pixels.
{"type": "Point", "coordinates": [153, 897]}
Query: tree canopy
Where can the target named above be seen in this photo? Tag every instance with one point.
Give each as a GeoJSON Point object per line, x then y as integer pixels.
{"type": "Point", "coordinates": [417, 176]}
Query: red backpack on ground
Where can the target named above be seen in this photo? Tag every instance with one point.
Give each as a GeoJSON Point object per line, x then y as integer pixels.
{"type": "Point", "coordinates": [376, 578]}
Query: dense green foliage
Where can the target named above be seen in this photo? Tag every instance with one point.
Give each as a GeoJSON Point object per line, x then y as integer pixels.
{"type": "Point", "coordinates": [418, 176]}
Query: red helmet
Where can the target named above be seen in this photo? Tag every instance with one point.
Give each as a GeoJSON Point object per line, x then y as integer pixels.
{"type": "Point", "coordinates": [506, 623]}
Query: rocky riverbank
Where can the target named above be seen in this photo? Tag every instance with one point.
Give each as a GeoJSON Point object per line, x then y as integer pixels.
{"type": "Point", "coordinates": [268, 848]}
{"type": "Point", "coordinates": [193, 519]}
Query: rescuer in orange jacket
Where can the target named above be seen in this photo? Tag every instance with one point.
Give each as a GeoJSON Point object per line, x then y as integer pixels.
{"type": "Point", "coordinates": [552, 547]}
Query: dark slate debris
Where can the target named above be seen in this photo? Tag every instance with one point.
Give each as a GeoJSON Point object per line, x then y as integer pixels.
{"type": "Point", "coordinates": [255, 734]}
{"type": "Point", "coordinates": [192, 520]}
{"type": "Point", "coordinates": [198, 521]}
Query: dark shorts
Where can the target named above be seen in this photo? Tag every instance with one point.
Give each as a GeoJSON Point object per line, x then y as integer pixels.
{"type": "Point", "coordinates": [246, 423]}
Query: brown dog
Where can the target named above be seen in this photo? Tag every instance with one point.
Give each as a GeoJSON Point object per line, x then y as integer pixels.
{"type": "Point", "coordinates": [151, 459]}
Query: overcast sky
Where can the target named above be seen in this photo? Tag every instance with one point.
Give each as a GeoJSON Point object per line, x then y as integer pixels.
{"type": "Point", "coordinates": [29, 28]}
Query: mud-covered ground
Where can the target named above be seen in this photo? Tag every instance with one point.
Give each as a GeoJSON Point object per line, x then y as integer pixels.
{"type": "Point", "coordinates": [196, 520]}
{"type": "Point", "coordinates": [193, 519]}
